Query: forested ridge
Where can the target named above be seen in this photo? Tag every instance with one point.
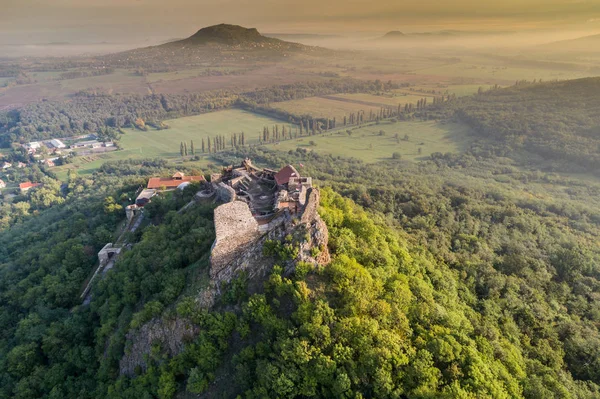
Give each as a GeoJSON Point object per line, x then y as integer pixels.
{"type": "Point", "coordinates": [558, 120]}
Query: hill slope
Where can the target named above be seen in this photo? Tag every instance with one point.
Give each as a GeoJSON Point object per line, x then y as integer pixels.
{"type": "Point", "coordinates": [582, 44]}
{"type": "Point", "coordinates": [556, 120]}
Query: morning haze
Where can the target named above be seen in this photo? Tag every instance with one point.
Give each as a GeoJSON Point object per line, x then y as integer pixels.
{"type": "Point", "coordinates": [135, 21]}
{"type": "Point", "coordinates": [299, 199]}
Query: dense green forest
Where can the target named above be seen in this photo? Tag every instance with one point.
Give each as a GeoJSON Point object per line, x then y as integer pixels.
{"type": "Point", "coordinates": [468, 275]}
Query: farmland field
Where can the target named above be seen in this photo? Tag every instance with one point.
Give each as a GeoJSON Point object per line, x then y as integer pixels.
{"type": "Point", "coordinates": [376, 100]}
{"type": "Point", "coordinates": [323, 107]}
{"type": "Point", "coordinates": [165, 144]}
{"type": "Point", "coordinates": [120, 81]}
{"type": "Point", "coordinates": [185, 74]}
{"type": "Point", "coordinates": [368, 145]}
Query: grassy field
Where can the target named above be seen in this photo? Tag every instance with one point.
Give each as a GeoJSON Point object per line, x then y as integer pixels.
{"type": "Point", "coordinates": [391, 100]}
{"type": "Point", "coordinates": [368, 145]}
{"type": "Point", "coordinates": [165, 144]}
{"type": "Point", "coordinates": [3, 81]}
{"type": "Point", "coordinates": [119, 81]}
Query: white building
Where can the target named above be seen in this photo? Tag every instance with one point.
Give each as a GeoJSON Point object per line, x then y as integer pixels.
{"type": "Point", "coordinates": [2, 184]}
{"type": "Point", "coordinates": [57, 143]}
{"type": "Point", "coordinates": [6, 165]}
{"type": "Point", "coordinates": [34, 145]}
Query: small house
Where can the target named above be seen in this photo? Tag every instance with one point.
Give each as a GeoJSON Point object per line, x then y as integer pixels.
{"type": "Point", "coordinates": [28, 186]}
{"type": "Point", "coordinates": [2, 184]}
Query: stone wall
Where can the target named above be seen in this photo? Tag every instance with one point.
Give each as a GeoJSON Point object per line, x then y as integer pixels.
{"type": "Point", "coordinates": [225, 193]}
{"type": "Point", "coordinates": [235, 229]}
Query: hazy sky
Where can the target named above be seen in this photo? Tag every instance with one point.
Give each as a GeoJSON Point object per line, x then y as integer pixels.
{"type": "Point", "coordinates": [127, 20]}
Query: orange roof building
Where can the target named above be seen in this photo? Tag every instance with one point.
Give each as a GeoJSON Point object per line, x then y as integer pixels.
{"type": "Point", "coordinates": [283, 176]}
{"type": "Point", "coordinates": [173, 182]}
{"type": "Point", "coordinates": [28, 185]}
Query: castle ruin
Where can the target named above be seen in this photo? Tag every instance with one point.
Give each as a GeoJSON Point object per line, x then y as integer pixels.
{"type": "Point", "coordinates": [260, 205]}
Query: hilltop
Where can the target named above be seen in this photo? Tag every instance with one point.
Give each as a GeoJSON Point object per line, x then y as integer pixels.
{"type": "Point", "coordinates": [395, 34]}
{"type": "Point", "coordinates": [212, 45]}
{"type": "Point", "coordinates": [226, 34]}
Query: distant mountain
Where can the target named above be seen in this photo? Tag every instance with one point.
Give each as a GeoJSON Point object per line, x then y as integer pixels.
{"type": "Point", "coordinates": [398, 35]}
{"type": "Point", "coordinates": [233, 35]}
{"type": "Point", "coordinates": [395, 34]}
{"type": "Point", "coordinates": [210, 46]}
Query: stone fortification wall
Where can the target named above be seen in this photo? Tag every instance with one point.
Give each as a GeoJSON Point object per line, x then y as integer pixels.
{"type": "Point", "coordinates": [225, 193]}
{"type": "Point", "coordinates": [235, 229]}
{"type": "Point", "coordinates": [240, 241]}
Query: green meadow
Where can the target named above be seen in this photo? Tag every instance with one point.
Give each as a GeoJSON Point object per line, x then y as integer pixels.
{"type": "Point", "coordinates": [377, 143]}
{"type": "Point", "coordinates": [137, 144]}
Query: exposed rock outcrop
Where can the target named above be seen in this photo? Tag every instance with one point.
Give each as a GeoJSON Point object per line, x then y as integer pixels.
{"type": "Point", "coordinates": [169, 334]}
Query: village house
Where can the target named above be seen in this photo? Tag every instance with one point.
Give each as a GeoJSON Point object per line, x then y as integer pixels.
{"type": "Point", "coordinates": [159, 183]}
{"type": "Point", "coordinates": [34, 145]}
{"type": "Point", "coordinates": [57, 143]}
{"type": "Point", "coordinates": [92, 144]}
{"type": "Point", "coordinates": [2, 184]}
{"type": "Point", "coordinates": [28, 186]}
{"type": "Point", "coordinates": [21, 165]}
{"type": "Point", "coordinates": [84, 144]}
{"type": "Point", "coordinates": [6, 165]}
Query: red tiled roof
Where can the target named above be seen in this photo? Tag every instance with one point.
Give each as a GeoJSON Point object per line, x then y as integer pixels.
{"type": "Point", "coordinates": [28, 185]}
{"type": "Point", "coordinates": [158, 182]}
{"type": "Point", "coordinates": [283, 176]}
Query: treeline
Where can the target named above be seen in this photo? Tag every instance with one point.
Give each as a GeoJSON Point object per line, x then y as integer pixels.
{"type": "Point", "coordinates": [296, 91]}
{"type": "Point", "coordinates": [85, 74]}
{"type": "Point", "coordinates": [89, 111]}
